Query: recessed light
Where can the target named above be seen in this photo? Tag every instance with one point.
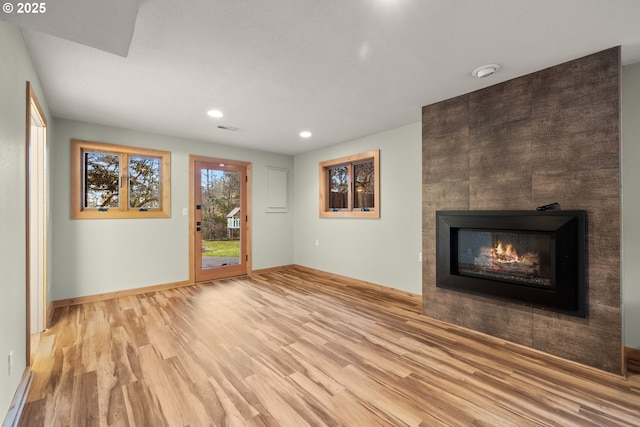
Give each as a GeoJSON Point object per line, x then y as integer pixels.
{"type": "Point", "coordinates": [215, 113]}
{"type": "Point", "coordinates": [485, 70]}
{"type": "Point", "coordinates": [305, 134]}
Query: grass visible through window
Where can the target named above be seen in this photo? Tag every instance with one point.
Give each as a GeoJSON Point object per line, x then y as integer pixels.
{"type": "Point", "coordinates": [221, 248]}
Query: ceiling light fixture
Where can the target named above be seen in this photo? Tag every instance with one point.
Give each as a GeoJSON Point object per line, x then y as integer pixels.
{"type": "Point", "coordinates": [215, 113]}
{"type": "Point", "coordinates": [485, 70]}
{"type": "Point", "coordinates": [305, 134]}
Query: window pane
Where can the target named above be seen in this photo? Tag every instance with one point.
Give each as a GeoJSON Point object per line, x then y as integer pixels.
{"type": "Point", "coordinates": [144, 182]}
{"type": "Point", "coordinates": [101, 180]}
{"type": "Point", "coordinates": [338, 187]}
{"type": "Point", "coordinates": [364, 179]}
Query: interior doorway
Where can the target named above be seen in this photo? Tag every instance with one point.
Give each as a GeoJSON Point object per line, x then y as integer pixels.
{"type": "Point", "coordinates": [220, 218]}
{"type": "Point", "coordinates": [36, 218]}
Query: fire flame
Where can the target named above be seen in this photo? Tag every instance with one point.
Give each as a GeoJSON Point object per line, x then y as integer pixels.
{"type": "Point", "coordinates": [503, 257]}
{"type": "Point", "coordinates": [505, 253]}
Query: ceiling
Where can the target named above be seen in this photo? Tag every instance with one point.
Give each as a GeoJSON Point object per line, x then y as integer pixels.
{"type": "Point", "coordinates": [341, 69]}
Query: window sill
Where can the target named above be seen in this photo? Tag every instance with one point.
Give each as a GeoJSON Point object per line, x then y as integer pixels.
{"type": "Point", "coordinates": [117, 214]}
{"type": "Point", "coordinates": [350, 214]}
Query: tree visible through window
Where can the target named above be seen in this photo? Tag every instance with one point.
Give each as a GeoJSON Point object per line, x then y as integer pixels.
{"type": "Point", "coordinates": [349, 186]}
{"type": "Point", "coordinates": [339, 187]}
{"type": "Point", "coordinates": [220, 196]}
{"type": "Point", "coordinates": [101, 180]}
{"type": "Point", "coordinates": [364, 179]}
{"type": "Point", "coordinates": [111, 181]}
{"type": "Point", "coordinates": [144, 182]}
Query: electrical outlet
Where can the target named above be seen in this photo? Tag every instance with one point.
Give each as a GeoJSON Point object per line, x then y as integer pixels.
{"type": "Point", "coordinates": [420, 256]}
{"type": "Point", "coordinates": [10, 362]}
{"type": "Point", "coordinates": [317, 242]}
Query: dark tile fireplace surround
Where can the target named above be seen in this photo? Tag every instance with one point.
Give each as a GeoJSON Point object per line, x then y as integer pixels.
{"type": "Point", "coordinates": [550, 136]}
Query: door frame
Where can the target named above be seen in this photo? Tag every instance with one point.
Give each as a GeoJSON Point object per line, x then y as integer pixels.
{"type": "Point", "coordinates": [41, 234]}
{"type": "Point", "coordinates": [191, 210]}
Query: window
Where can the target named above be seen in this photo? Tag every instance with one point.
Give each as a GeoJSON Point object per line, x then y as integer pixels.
{"type": "Point", "coordinates": [350, 186]}
{"type": "Point", "coordinates": [113, 181]}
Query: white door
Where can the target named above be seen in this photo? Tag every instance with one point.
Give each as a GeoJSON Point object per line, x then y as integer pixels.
{"type": "Point", "coordinates": [37, 218]}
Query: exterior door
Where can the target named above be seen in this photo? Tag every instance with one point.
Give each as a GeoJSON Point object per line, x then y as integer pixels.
{"type": "Point", "coordinates": [220, 217]}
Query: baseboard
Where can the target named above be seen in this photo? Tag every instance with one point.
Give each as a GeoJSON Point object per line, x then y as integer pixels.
{"type": "Point", "coordinates": [137, 291]}
{"type": "Point", "coordinates": [50, 311]}
{"type": "Point", "coordinates": [631, 356]}
{"type": "Point", "coordinates": [632, 361]}
{"type": "Point", "coordinates": [271, 269]}
{"type": "Point", "coordinates": [412, 296]}
{"type": "Point", "coordinates": [117, 294]}
{"type": "Point", "coordinates": [19, 399]}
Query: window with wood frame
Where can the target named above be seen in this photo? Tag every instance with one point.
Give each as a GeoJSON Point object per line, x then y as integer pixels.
{"type": "Point", "coordinates": [350, 186]}
{"type": "Point", "coordinates": [115, 181]}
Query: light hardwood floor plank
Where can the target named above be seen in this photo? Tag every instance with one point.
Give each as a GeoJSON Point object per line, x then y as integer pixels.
{"type": "Point", "coordinates": [293, 347]}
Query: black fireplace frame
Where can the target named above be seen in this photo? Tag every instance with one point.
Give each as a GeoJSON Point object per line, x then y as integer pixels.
{"type": "Point", "coordinates": [568, 228]}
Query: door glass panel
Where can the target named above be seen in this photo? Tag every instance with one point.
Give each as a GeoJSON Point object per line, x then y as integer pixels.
{"type": "Point", "coordinates": [220, 218]}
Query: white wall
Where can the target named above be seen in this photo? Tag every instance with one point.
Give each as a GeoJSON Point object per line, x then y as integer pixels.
{"type": "Point", "coordinates": [382, 251]}
{"type": "Point", "coordinates": [96, 256]}
{"type": "Point", "coordinates": [631, 205]}
{"type": "Point", "coordinates": [15, 69]}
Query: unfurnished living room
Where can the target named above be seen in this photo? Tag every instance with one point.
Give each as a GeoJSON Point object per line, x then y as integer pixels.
{"type": "Point", "coordinates": [320, 213]}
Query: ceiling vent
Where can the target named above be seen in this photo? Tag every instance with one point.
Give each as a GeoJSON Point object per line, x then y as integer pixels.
{"type": "Point", "coordinates": [231, 128]}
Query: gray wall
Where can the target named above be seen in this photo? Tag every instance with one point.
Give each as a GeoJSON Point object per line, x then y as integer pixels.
{"type": "Point", "coordinates": [96, 256]}
{"type": "Point", "coordinates": [631, 204]}
{"type": "Point", "coordinates": [15, 70]}
{"type": "Point", "coordinates": [382, 251]}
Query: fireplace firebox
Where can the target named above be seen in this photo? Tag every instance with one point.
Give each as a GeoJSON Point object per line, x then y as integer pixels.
{"type": "Point", "coordinates": [535, 258]}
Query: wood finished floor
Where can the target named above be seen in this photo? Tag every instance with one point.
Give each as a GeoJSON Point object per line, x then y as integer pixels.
{"type": "Point", "coordinates": [291, 348]}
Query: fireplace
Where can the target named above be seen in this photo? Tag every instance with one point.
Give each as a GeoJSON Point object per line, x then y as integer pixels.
{"type": "Point", "coordinates": [535, 258]}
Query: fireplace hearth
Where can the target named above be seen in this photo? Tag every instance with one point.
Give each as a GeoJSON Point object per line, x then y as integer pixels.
{"type": "Point", "coordinates": [535, 258]}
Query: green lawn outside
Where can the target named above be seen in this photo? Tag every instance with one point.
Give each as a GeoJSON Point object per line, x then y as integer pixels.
{"type": "Point", "coordinates": [221, 248]}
